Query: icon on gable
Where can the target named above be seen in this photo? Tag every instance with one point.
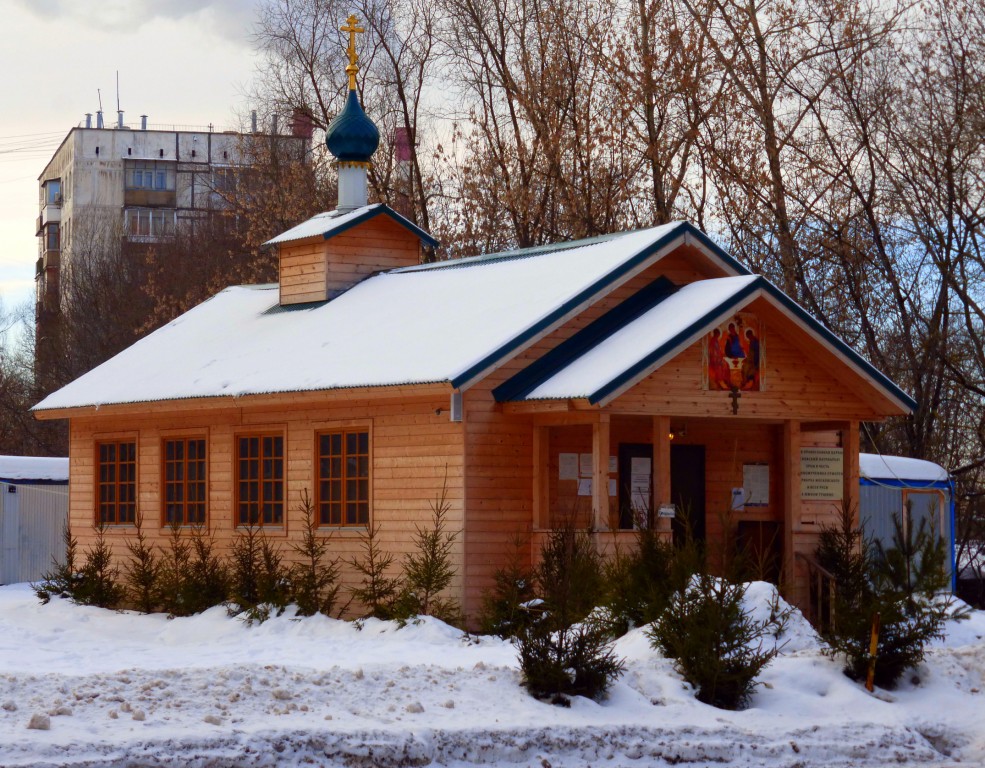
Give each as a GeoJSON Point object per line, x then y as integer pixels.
{"type": "Point", "coordinates": [733, 355]}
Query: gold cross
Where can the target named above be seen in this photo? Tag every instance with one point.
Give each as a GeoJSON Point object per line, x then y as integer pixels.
{"type": "Point", "coordinates": [351, 26]}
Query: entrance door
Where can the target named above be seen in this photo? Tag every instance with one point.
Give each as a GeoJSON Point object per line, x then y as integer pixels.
{"type": "Point", "coordinates": [635, 493]}
{"type": "Point", "coordinates": [687, 490]}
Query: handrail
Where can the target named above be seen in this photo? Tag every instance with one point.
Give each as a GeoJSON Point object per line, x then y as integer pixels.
{"type": "Point", "coordinates": [821, 598]}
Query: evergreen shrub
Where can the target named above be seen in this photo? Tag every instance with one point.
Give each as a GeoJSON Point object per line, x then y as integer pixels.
{"type": "Point", "coordinates": [903, 583]}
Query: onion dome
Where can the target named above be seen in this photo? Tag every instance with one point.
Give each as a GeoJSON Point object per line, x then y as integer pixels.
{"type": "Point", "coordinates": [352, 136]}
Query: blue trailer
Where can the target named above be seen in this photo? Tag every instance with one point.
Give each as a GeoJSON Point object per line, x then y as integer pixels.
{"type": "Point", "coordinates": [890, 483]}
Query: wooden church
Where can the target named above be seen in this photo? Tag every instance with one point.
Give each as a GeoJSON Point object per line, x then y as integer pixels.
{"type": "Point", "coordinates": [639, 378]}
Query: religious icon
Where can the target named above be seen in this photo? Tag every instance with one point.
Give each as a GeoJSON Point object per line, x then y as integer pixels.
{"type": "Point", "coordinates": [734, 355]}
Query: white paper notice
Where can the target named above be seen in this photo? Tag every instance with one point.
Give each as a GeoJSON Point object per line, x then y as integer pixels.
{"type": "Point", "coordinates": [585, 486]}
{"type": "Point", "coordinates": [738, 499]}
{"type": "Point", "coordinates": [585, 465]}
{"type": "Point", "coordinates": [640, 470]}
{"type": "Point", "coordinates": [613, 465]}
{"type": "Point", "coordinates": [756, 481]}
{"type": "Point", "coordinates": [612, 487]}
{"type": "Point", "coordinates": [568, 466]}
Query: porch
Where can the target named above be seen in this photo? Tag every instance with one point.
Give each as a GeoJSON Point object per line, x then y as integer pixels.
{"type": "Point", "coordinates": [766, 485]}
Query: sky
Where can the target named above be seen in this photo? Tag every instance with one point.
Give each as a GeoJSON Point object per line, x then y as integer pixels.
{"type": "Point", "coordinates": [181, 62]}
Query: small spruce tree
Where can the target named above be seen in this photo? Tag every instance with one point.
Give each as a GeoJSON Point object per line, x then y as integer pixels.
{"type": "Point", "coordinates": [63, 578]}
{"type": "Point", "coordinates": [901, 583]}
{"type": "Point", "coordinates": [314, 578]}
{"type": "Point", "coordinates": [142, 571]}
{"type": "Point", "coordinates": [208, 577]}
{"type": "Point", "coordinates": [174, 572]}
{"type": "Point", "coordinates": [428, 569]}
{"type": "Point", "coordinates": [506, 606]}
{"type": "Point", "coordinates": [99, 578]}
{"type": "Point", "coordinates": [377, 590]}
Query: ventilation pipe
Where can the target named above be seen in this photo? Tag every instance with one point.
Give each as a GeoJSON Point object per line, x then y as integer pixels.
{"type": "Point", "coordinates": [253, 121]}
{"type": "Point", "coordinates": [99, 119]}
{"type": "Point", "coordinates": [119, 118]}
{"type": "Point", "coordinates": [88, 119]}
{"type": "Point", "coordinates": [273, 125]}
{"type": "Point", "coordinates": [143, 122]}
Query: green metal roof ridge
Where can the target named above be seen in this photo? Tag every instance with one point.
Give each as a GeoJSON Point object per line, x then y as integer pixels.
{"type": "Point", "coordinates": [517, 253]}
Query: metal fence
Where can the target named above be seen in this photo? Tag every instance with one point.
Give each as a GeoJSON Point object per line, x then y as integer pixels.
{"type": "Point", "coordinates": [32, 525]}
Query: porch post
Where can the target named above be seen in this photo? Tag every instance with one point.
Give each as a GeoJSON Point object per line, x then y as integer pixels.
{"type": "Point", "coordinates": [791, 500]}
{"type": "Point", "coordinates": [541, 500]}
{"type": "Point", "coordinates": [600, 472]}
{"type": "Point", "coordinates": [661, 473]}
{"type": "Point", "coordinates": [850, 446]}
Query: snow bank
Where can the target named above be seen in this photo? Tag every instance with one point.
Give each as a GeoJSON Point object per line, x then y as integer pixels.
{"type": "Point", "coordinates": [122, 689]}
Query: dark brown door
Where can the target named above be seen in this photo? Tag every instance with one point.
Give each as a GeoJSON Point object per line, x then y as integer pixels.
{"type": "Point", "coordinates": [627, 498]}
{"type": "Point", "coordinates": [687, 490]}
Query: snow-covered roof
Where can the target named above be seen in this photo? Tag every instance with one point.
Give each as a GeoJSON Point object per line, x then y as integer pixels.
{"type": "Point", "coordinates": [876, 467]}
{"type": "Point", "coordinates": [33, 468]}
{"type": "Point", "coordinates": [333, 222]}
{"type": "Point", "coordinates": [632, 343]}
{"type": "Point", "coordinates": [447, 323]}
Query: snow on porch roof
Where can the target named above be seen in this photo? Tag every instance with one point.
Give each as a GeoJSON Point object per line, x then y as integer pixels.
{"type": "Point", "coordinates": [449, 323]}
{"type": "Point", "coordinates": [632, 347]}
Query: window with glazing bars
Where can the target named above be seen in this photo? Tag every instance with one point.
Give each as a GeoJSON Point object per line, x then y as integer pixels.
{"type": "Point", "coordinates": [343, 477]}
{"type": "Point", "coordinates": [116, 470]}
{"type": "Point", "coordinates": [184, 481]}
{"type": "Point", "coordinates": [260, 480]}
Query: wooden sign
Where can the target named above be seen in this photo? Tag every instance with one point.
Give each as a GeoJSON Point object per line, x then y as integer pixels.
{"type": "Point", "coordinates": [822, 474]}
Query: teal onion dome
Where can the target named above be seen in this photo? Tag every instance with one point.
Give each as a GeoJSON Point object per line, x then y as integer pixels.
{"type": "Point", "coordinates": [352, 136]}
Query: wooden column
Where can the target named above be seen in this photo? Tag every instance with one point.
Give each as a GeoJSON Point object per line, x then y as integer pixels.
{"type": "Point", "coordinates": [661, 472]}
{"type": "Point", "coordinates": [791, 498]}
{"type": "Point", "coordinates": [541, 487]}
{"type": "Point", "coordinates": [850, 446]}
{"type": "Point", "coordinates": [600, 472]}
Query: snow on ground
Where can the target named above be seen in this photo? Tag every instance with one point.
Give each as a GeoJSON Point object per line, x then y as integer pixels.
{"type": "Point", "coordinates": [121, 689]}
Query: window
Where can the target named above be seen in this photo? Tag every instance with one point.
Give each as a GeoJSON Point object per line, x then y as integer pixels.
{"type": "Point", "coordinates": [52, 237]}
{"type": "Point", "coordinates": [343, 477]}
{"type": "Point", "coordinates": [184, 481]}
{"type": "Point", "coordinates": [117, 481]}
{"type": "Point", "coordinates": [260, 480]}
{"type": "Point", "coordinates": [150, 175]}
{"type": "Point", "coordinates": [149, 222]}
{"type": "Point", "coordinates": [52, 192]}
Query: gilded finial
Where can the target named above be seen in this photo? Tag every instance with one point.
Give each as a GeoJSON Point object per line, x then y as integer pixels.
{"type": "Point", "coordinates": [352, 27]}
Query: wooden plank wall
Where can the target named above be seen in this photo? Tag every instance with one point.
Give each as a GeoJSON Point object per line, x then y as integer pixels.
{"type": "Point", "coordinates": [317, 269]}
{"type": "Point", "coordinates": [795, 386]}
{"type": "Point", "coordinates": [499, 448]}
{"type": "Point", "coordinates": [414, 451]}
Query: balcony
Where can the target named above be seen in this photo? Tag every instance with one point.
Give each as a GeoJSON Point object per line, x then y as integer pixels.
{"type": "Point", "coordinates": [149, 198]}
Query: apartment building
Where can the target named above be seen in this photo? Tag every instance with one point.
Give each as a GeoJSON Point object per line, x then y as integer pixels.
{"type": "Point", "coordinates": [141, 185]}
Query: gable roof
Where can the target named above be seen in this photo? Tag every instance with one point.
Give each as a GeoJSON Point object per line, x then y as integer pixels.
{"type": "Point", "coordinates": [331, 223]}
{"type": "Point", "coordinates": [447, 323]}
{"type": "Point", "coordinates": [443, 323]}
{"type": "Point", "coordinates": [619, 349]}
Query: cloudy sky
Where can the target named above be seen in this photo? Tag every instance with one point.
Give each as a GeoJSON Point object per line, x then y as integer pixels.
{"type": "Point", "coordinates": [184, 62]}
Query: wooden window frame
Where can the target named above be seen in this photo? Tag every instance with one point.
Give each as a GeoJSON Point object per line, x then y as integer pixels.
{"type": "Point", "coordinates": [184, 482]}
{"type": "Point", "coordinates": [261, 435]}
{"type": "Point", "coordinates": [117, 501]}
{"type": "Point", "coordinates": [324, 517]}
{"type": "Point", "coordinates": [942, 508]}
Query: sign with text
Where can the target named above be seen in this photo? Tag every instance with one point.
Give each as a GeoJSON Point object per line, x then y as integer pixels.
{"type": "Point", "coordinates": [822, 474]}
